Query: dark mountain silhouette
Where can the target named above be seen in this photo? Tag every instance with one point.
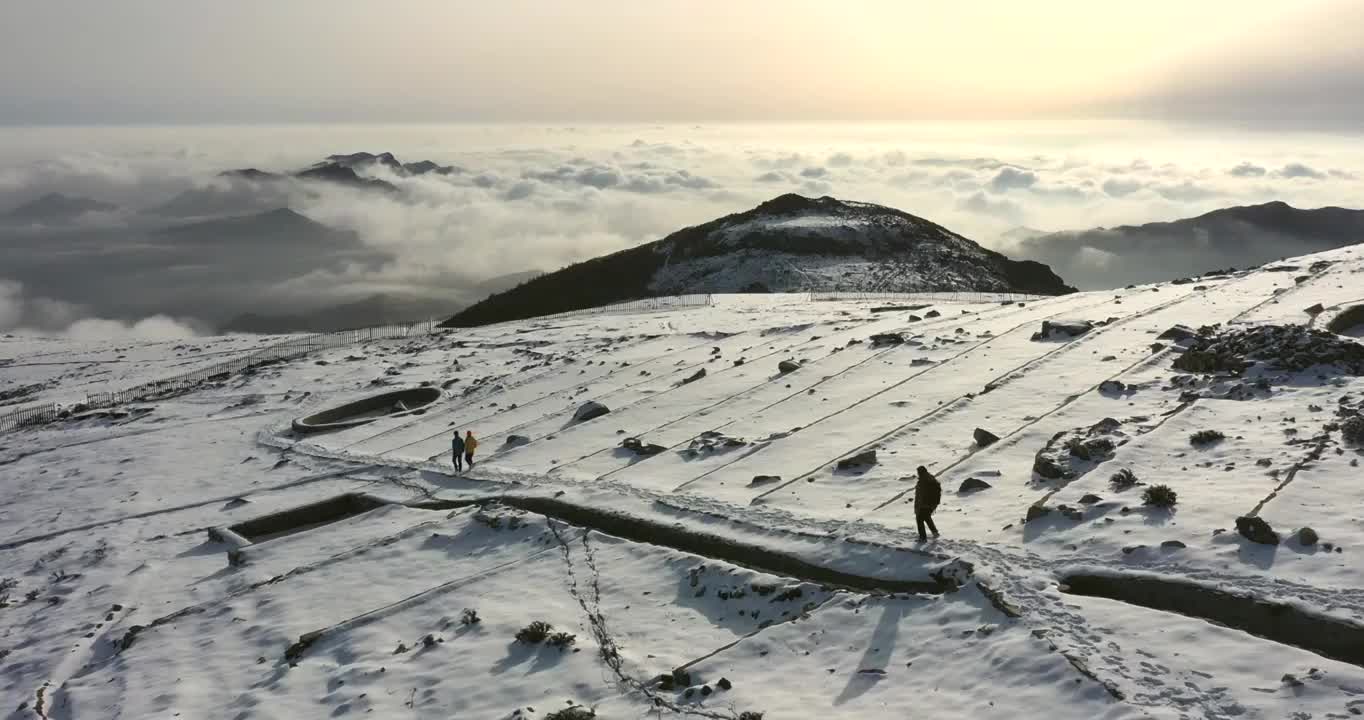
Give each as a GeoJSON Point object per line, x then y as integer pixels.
{"type": "Point", "coordinates": [1230, 237]}
{"type": "Point", "coordinates": [250, 174]}
{"type": "Point", "coordinates": [788, 244]}
{"type": "Point", "coordinates": [55, 207]}
{"type": "Point", "coordinates": [348, 169]}
{"type": "Point", "coordinates": [343, 175]}
{"type": "Point", "coordinates": [423, 167]}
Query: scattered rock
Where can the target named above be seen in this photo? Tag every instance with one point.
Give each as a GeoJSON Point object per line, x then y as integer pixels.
{"type": "Point", "coordinates": [1307, 537]}
{"type": "Point", "coordinates": [1112, 387]}
{"type": "Point", "coordinates": [971, 484]}
{"type": "Point", "coordinates": [724, 684]}
{"type": "Point", "coordinates": [862, 459]}
{"type": "Point", "coordinates": [1256, 530]}
{"type": "Point", "coordinates": [589, 410]}
{"type": "Point", "coordinates": [882, 339]}
{"type": "Point", "coordinates": [693, 377]}
{"type": "Point", "coordinates": [1062, 329]}
{"type": "Point", "coordinates": [712, 441]}
{"type": "Point", "coordinates": [1281, 347]}
{"type": "Point", "coordinates": [639, 447]}
{"type": "Point", "coordinates": [1178, 333]}
{"type": "Point", "coordinates": [984, 438]}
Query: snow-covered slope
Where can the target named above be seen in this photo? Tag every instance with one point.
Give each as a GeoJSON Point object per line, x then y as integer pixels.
{"type": "Point", "coordinates": [726, 544]}
{"type": "Point", "coordinates": [788, 244]}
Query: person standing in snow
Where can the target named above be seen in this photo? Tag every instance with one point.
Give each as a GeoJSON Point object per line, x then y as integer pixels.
{"type": "Point", "coordinates": [470, 445]}
{"type": "Point", "coordinates": [927, 495]}
{"type": "Point", "coordinates": [457, 449]}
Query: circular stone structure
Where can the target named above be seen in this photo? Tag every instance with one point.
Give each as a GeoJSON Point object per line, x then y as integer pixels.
{"type": "Point", "coordinates": [369, 409]}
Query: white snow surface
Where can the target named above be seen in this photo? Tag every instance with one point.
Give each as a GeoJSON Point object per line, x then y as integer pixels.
{"type": "Point", "coordinates": [103, 521]}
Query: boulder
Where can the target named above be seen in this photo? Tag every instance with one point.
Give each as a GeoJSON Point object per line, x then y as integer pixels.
{"type": "Point", "coordinates": [1307, 536]}
{"type": "Point", "coordinates": [1178, 332]}
{"type": "Point", "coordinates": [880, 339]}
{"type": "Point", "coordinates": [1090, 499]}
{"type": "Point", "coordinates": [760, 480]}
{"type": "Point", "coordinates": [693, 377]}
{"type": "Point", "coordinates": [517, 440]}
{"type": "Point", "coordinates": [1062, 329]}
{"type": "Point", "coordinates": [1173, 545]}
{"type": "Point", "coordinates": [1048, 467]}
{"type": "Point", "coordinates": [589, 410]}
{"type": "Point", "coordinates": [786, 366]}
{"type": "Point", "coordinates": [1037, 511]}
{"type": "Point", "coordinates": [932, 314]}
{"type": "Point", "coordinates": [639, 447]}
{"type": "Point", "coordinates": [1112, 387]}
{"type": "Point", "coordinates": [1256, 530]}
{"type": "Point", "coordinates": [1316, 309]}
{"type": "Point", "coordinates": [862, 459]}
{"type": "Point", "coordinates": [984, 438]}
{"type": "Point", "coordinates": [970, 485]}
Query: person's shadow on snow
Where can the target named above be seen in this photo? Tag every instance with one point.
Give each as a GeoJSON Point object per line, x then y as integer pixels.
{"type": "Point", "coordinates": [871, 669]}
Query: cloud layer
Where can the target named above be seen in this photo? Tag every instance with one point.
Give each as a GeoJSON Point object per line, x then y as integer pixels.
{"type": "Point", "coordinates": [540, 198]}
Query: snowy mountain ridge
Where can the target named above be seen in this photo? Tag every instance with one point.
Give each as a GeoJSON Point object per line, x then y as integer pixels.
{"type": "Point", "coordinates": [788, 244]}
{"type": "Point", "coordinates": [1149, 509]}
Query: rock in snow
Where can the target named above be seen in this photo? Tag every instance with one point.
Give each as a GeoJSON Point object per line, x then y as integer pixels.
{"type": "Point", "coordinates": [970, 485]}
{"type": "Point", "coordinates": [984, 438]}
{"type": "Point", "coordinates": [589, 410]}
{"type": "Point", "coordinates": [862, 459]}
{"type": "Point", "coordinates": [1256, 530]}
{"type": "Point", "coordinates": [1062, 329]}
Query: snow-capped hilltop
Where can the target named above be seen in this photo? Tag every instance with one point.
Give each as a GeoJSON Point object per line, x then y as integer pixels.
{"type": "Point", "coordinates": [788, 244]}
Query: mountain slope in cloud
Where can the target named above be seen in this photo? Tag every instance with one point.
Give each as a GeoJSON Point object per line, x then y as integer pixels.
{"type": "Point", "coordinates": [55, 208]}
{"type": "Point", "coordinates": [788, 244]}
{"type": "Point", "coordinates": [378, 309]}
{"type": "Point", "coordinates": [1230, 237]}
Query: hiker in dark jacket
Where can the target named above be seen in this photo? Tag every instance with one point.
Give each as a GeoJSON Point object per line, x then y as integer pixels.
{"type": "Point", "coordinates": [457, 448]}
{"type": "Point", "coordinates": [927, 495]}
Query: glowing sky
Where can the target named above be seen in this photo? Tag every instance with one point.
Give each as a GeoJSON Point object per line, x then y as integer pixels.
{"type": "Point", "coordinates": [1276, 63]}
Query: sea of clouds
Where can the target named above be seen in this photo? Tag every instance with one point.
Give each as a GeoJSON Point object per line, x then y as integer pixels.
{"type": "Point", "coordinates": [538, 198]}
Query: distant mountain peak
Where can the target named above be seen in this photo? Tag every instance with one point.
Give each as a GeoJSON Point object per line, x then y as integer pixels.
{"type": "Point", "coordinates": [1227, 237]}
{"type": "Point", "coordinates": [55, 206]}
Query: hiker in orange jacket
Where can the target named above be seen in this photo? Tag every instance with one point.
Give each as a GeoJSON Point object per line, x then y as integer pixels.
{"type": "Point", "coordinates": [470, 445]}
